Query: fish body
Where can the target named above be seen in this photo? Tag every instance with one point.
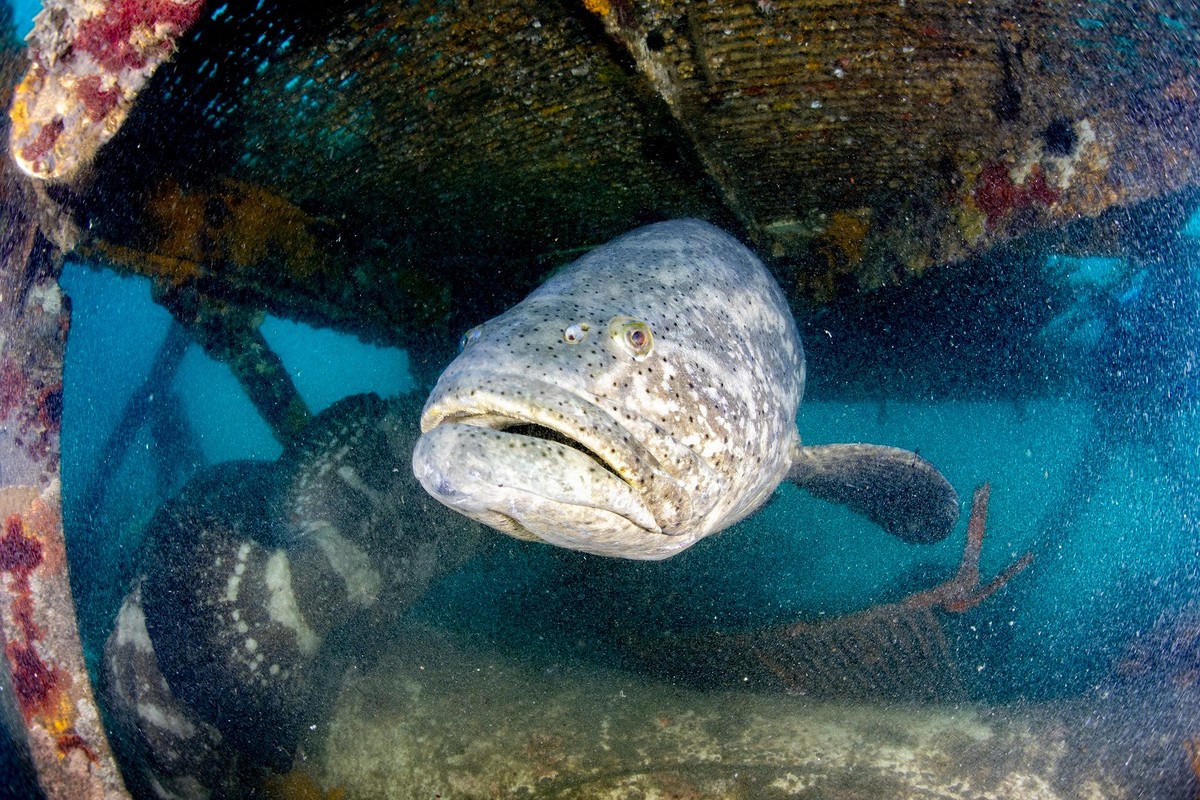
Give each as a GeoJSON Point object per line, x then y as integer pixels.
{"type": "Point", "coordinates": [214, 663]}
{"type": "Point", "coordinates": [641, 399]}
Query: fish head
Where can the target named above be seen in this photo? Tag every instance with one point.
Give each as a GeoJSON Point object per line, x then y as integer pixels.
{"type": "Point", "coordinates": [639, 400]}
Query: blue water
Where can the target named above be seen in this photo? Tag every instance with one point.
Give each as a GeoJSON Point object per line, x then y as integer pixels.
{"type": "Point", "coordinates": [1088, 435]}
{"type": "Point", "coordinates": [1097, 480]}
{"type": "Point", "coordinates": [116, 331]}
{"type": "Point", "coordinates": [1088, 431]}
{"type": "Point", "coordinates": [23, 12]}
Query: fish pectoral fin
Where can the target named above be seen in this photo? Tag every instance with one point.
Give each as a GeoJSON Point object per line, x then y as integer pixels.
{"type": "Point", "coordinates": [896, 489]}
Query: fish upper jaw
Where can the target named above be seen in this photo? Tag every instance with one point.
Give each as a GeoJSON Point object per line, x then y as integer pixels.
{"type": "Point", "coordinates": [561, 433]}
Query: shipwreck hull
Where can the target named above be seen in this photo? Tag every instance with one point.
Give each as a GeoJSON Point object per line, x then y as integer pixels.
{"type": "Point", "coordinates": [406, 156]}
{"type": "Point", "coordinates": [443, 718]}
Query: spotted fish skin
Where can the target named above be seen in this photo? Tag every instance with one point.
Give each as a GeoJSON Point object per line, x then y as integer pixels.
{"type": "Point", "coordinates": [198, 678]}
{"type": "Point", "coordinates": [167, 750]}
{"type": "Point", "coordinates": [211, 671]}
{"type": "Point", "coordinates": [347, 490]}
{"type": "Point", "coordinates": [699, 429]}
{"type": "Point", "coordinates": [643, 398]}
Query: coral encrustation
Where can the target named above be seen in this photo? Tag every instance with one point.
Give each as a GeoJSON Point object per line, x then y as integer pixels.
{"type": "Point", "coordinates": [88, 61]}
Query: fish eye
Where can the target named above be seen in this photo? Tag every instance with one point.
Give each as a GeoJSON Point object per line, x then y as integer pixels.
{"type": "Point", "coordinates": [633, 335]}
{"type": "Point", "coordinates": [469, 338]}
{"type": "Point", "coordinates": [574, 334]}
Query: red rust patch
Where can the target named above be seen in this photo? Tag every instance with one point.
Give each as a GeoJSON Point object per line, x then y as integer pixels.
{"type": "Point", "coordinates": [97, 102]}
{"type": "Point", "coordinates": [35, 683]}
{"type": "Point", "coordinates": [44, 142]}
{"type": "Point", "coordinates": [13, 384]}
{"type": "Point", "coordinates": [22, 614]}
{"type": "Point", "coordinates": [1038, 191]}
{"type": "Point", "coordinates": [73, 741]}
{"type": "Point", "coordinates": [49, 407]}
{"type": "Point", "coordinates": [116, 37]}
{"type": "Point", "coordinates": [19, 554]}
{"type": "Point", "coordinates": [996, 195]}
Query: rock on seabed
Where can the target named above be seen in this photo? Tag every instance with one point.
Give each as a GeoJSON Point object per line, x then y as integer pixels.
{"type": "Point", "coordinates": [439, 718]}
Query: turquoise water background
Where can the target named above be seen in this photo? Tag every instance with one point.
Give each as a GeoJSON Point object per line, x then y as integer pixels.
{"type": "Point", "coordinates": [1106, 563]}
{"type": "Point", "coordinates": [1059, 629]}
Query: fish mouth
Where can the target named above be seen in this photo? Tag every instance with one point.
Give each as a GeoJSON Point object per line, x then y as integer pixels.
{"type": "Point", "coordinates": [611, 471]}
{"type": "Point", "coordinates": [616, 466]}
{"type": "Point", "coordinates": [536, 431]}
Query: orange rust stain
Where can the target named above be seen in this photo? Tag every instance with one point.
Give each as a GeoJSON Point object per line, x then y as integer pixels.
{"type": "Point", "coordinates": [1192, 748]}
{"type": "Point", "coordinates": [298, 784]}
{"type": "Point", "coordinates": [1181, 90]}
{"type": "Point", "coordinates": [175, 271]}
{"type": "Point", "coordinates": [230, 226]}
{"type": "Point", "coordinates": [845, 237]}
{"type": "Point", "coordinates": [843, 244]}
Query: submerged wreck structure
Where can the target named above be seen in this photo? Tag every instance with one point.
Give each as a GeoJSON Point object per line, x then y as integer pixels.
{"type": "Point", "coordinates": [400, 170]}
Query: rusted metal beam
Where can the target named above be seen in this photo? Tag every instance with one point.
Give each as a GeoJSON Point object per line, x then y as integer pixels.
{"type": "Point", "coordinates": [138, 412]}
{"type": "Point", "coordinates": [51, 694]}
{"type": "Point", "coordinates": [230, 333]}
{"type": "Point", "coordinates": [641, 43]}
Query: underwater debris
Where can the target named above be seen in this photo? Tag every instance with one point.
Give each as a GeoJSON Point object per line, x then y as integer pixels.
{"type": "Point", "coordinates": [894, 650]}
{"type": "Point", "coordinates": [440, 716]}
{"type": "Point", "coordinates": [450, 151]}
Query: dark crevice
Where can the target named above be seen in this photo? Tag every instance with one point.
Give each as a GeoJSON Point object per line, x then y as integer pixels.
{"type": "Point", "coordinates": [535, 431]}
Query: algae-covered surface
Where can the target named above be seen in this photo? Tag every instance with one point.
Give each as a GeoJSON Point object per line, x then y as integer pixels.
{"type": "Point", "coordinates": [439, 717]}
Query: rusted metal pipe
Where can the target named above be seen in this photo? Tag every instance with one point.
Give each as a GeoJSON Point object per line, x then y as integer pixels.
{"type": "Point", "coordinates": [51, 695]}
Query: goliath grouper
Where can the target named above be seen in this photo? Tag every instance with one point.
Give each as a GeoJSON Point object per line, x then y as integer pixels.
{"type": "Point", "coordinates": [643, 398]}
{"type": "Point", "coordinates": [218, 658]}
